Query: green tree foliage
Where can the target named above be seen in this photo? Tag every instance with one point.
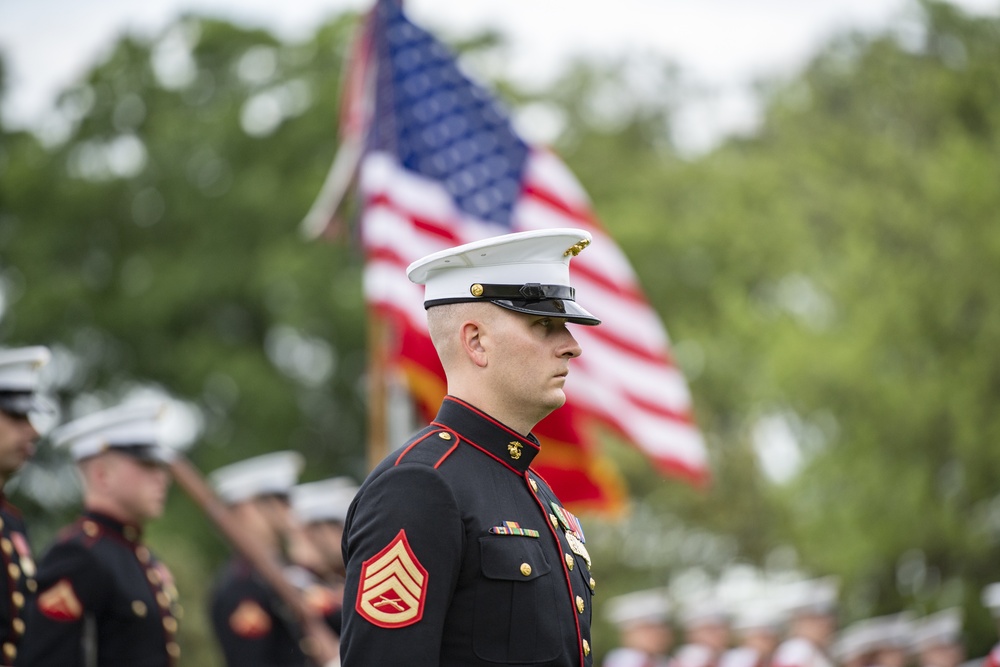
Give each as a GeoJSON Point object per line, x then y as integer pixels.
{"type": "Point", "coordinates": [832, 274]}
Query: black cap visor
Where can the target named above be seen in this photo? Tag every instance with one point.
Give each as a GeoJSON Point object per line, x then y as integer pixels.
{"type": "Point", "coordinates": [571, 311]}
{"type": "Point", "coordinates": [145, 453]}
{"type": "Point", "coordinates": [22, 403]}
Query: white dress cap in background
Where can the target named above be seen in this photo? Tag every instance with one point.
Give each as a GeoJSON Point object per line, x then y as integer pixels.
{"type": "Point", "coordinates": [19, 373]}
{"type": "Point", "coordinates": [269, 474]}
{"type": "Point", "coordinates": [131, 429]}
{"type": "Point", "coordinates": [326, 500]}
{"type": "Point", "coordinates": [645, 606]}
{"type": "Point", "coordinates": [939, 629]}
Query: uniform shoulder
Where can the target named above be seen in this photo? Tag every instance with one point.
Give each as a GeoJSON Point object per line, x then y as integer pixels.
{"type": "Point", "coordinates": [430, 447]}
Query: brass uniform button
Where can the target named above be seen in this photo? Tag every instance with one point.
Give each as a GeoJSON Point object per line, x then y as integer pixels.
{"type": "Point", "coordinates": [580, 606]}
{"type": "Point", "coordinates": [139, 608]}
{"type": "Point", "coordinates": [444, 435]}
{"type": "Point", "coordinates": [9, 650]}
{"type": "Point", "coordinates": [586, 647]}
{"type": "Point", "coordinates": [153, 576]}
{"type": "Point", "coordinates": [17, 597]}
{"type": "Point", "coordinates": [554, 519]}
{"type": "Point", "coordinates": [525, 569]}
{"type": "Point", "coordinates": [534, 485]}
{"type": "Point", "coordinates": [170, 624]}
{"type": "Point", "coordinates": [90, 529]}
{"type": "Point", "coordinates": [142, 553]}
{"type": "Point", "coordinates": [173, 649]}
{"type": "Point", "coordinates": [569, 561]}
{"type": "Point", "coordinates": [32, 585]}
{"type": "Point", "coordinates": [593, 584]}
{"type": "Point", "coordinates": [178, 611]}
{"type": "Point", "coordinates": [14, 571]}
{"type": "Point", "coordinates": [7, 546]}
{"type": "Point", "coordinates": [163, 599]}
{"type": "Point", "coordinates": [18, 625]}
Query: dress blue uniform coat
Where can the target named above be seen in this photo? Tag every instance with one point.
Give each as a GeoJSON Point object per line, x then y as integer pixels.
{"type": "Point", "coordinates": [459, 555]}
{"type": "Point", "coordinates": [17, 582]}
{"type": "Point", "coordinates": [103, 600]}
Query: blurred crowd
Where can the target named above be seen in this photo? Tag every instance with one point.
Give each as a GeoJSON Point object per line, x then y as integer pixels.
{"type": "Point", "coordinates": [800, 632]}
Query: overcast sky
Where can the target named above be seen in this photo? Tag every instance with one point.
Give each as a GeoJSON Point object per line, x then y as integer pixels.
{"type": "Point", "coordinates": [722, 44]}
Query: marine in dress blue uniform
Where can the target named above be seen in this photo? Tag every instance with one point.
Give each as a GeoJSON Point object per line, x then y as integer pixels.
{"type": "Point", "coordinates": [457, 552]}
{"type": "Point", "coordinates": [19, 374]}
{"type": "Point", "coordinates": [104, 600]}
{"type": "Point", "coordinates": [253, 625]}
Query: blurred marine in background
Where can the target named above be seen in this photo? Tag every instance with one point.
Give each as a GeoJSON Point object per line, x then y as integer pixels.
{"type": "Point", "coordinates": [644, 633]}
{"type": "Point", "coordinates": [104, 600]}
{"type": "Point", "coordinates": [18, 382]}
{"type": "Point", "coordinates": [252, 624]}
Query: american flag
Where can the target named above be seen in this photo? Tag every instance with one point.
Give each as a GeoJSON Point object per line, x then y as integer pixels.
{"type": "Point", "coordinates": [440, 164]}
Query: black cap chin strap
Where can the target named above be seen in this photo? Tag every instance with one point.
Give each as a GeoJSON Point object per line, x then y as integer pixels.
{"type": "Point", "coordinates": [526, 292]}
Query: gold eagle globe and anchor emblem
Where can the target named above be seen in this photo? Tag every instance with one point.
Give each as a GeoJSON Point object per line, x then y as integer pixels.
{"type": "Point", "coordinates": [514, 448]}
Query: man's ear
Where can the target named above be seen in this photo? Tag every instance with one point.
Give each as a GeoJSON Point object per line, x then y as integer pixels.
{"type": "Point", "coordinates": [474, 345]}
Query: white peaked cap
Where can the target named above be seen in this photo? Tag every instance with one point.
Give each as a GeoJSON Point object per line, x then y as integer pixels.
{"type": "Point", "coordinates": [991, 598]}
{"type": "Point", "coordinates": [704, 611]}
{"type": "Point", "coordinates": [894, 630]}
{"type": "Point", "coordinates": [816, 596]}
{"type": "Point", "coordinates": [760, 616]}
{"type": "Point", "coordinates": [941, 628]}
{"type": "Point", "coordinates": [19, 367]}
{"type": "Point", "coordinates": [526, 272]}
{"type": "Point", "coordinates": [646, 606]}
{"type": "Point", "coordinates": [133, 428]}
{"type": "Point", "coordinates": [274, 473]}
{"type": "Point", "coordinates": [326, 500]}
{"type": "Point", "coordinates": [855, 640]}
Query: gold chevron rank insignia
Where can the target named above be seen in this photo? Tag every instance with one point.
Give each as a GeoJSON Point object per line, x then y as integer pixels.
{"type": "Point", "coordinates": [393, 586]}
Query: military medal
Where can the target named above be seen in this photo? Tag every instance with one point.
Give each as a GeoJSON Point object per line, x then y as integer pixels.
{"type": "Point", "coordinates": [577, 547]}
{"type": "Point", "coordinates": [574, 532]}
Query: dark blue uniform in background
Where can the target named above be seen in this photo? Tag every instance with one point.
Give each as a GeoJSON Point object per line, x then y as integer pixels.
{"type": "Point", "coordinates": [103, 600]}
{"type": "Point", "coordinates": [17, 582]}
{"type": "Point", "coordinates": [459, 555]}
{"type": "Point", "coordinates": [253, 626]}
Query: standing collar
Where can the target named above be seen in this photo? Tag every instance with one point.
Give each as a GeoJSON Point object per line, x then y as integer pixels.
{"type": "Point", "coordinates": [130, 532]}
{"type": "Point", "coordinates": [487, 434]}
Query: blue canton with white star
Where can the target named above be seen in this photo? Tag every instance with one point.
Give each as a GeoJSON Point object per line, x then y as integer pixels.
{"type": "Point", "coordinates": [440, 124]}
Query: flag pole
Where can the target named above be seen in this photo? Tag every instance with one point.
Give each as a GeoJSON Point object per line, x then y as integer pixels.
{"type": "Point", "coordinates": [378, 389]}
